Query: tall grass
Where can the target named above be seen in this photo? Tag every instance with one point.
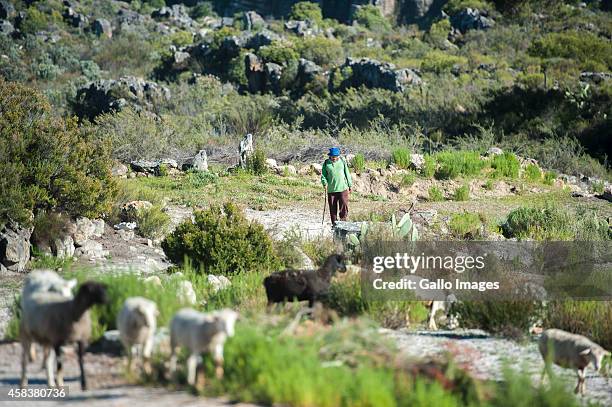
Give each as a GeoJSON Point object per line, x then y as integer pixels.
{"type": "Point", "coordinates": [452, 164]}
{"type": "Point", "coordinates": [590, 318]}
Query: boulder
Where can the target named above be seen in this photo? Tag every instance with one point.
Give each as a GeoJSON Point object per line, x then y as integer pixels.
{"type": "Point", "coordinates": [374, 74]}
{"type": "Point", "coordinates": [102, 27]}
{"type": "Point", "coordinates": [63, 248]}
{"type": "Point", "coordinates": [286, 169]}
{"type": "Point", "coordinates": [144, 166]}
{"type": "Point", "coordinates": [15, 246]}
{"type": "Point", "coordinates": [119, 170]}
{"type": "Point", "coordinates": [75, 19]}
{"type": "Point", "coordinates": [7, 10]}
{"type": "Point", "coordinates": [198, 163]}
{"type": "Point", "coordinates": [417, 161]}
{"type": "Point", "coordinates": [126, 235]}
{"type": "Point", "coordinates": [91, 249]}
{"type": "Point", "coordinates": [307, 71]}
{"type": "Point", "coordinates": [125, 226]}
{"type": "Point", "coordinates": [218, 282]}
{"type": "Point", "coordinates": [273, 76]}
{"type": "Point", "coordinates": [255, 74]}
{"type": "Point", "coordinates": [595, 77]}
{"type": "Point", "coordinates": [261, 39]}
{"type": "Point", "coordinates": [271, 163]}
{"type": "Point", "coordinates": [106, 95]}
{"type": "Point", "coordinates": [177, 15]}
{"type": "Point", "coordinates": [607, 193]}
{"type": "Point", "coordinates": [127, 17]}
{"type": "Point", "coordinates": [302, 28]}
{"type": "Point", "coordinates": [493, 151]}
{"type": "Point", "coordinates": [317, 168]}
{"type": "Point", "coordinates": [85, 229]}
{"type": "Point", "coordinates": [245, 150]}
{"type": "Point", "coordinates": [129, 211]}
{"type": "Point", "coordinates": [471, 19]}
{"type": "Point", "coordinates": [252, 20]}
{"type": "Point", "coordinates": [305, 262]}
{"type": "Point", "coordinates": [6, 27]}
{"type": "Point", "coordinates": [99, 227]}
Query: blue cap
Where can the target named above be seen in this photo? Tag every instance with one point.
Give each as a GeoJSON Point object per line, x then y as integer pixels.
{"type": "Point", "coordinates": [334, 152]}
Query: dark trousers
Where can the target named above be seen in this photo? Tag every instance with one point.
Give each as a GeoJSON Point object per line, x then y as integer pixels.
{"type": "Point", "coordinates": [338, 201]}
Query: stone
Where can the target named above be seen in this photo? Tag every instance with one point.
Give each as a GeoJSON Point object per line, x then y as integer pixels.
{"type": "Point", "coordinates": [595, 77]}
{"type": "Point", "coordinates": [109, 343]}
{"type": "Point", "coordinates": [7, 10]}
{"type": "Point", "coordinates": [63, 248]}
{"type": "Point", "coordinates": [417, 161]}
{"type": "Point", "coordinates": [99, 227]}
{"type": "Point", "coordinates": [85, 229]}
{"type": "Point", "coordinates": [144, 166]}
{"type": "Point", "coordinates": [130, 210]}
{"type": "Point", "coordinates": [471, 19]}
{"type": "Point", "coordinates": [305, 170]}
{"type": "Point", "coordinates": [252, 20]}
{"type": "Point", "coordinates": [374, 74]}
{"type": "Point", "coordinates": [342, 229]}
{"type": "Point", "coordinates": [92, 250]}
{"type": "Point", "coordinates": [125, 226]}
{"type": "Point", "coordinates": [218, 282]}
{"type": "Point", "coordinates": [125, 234]}
{"type": "Point", "coordinates": [245, 150]}
{"type": "Point", "coordinates": [75, 19]}
{"type": "Point", "coordinates": [6, 27]}
{"type": "Point", "coordinates": [177, 15]}
{"type": "Point", "coordinates": [102, 27]}
{"type": "Point", "coordinates": [198, 163]}
{"type": "Point", "coordinates": [306, 262]}
{"type": "Point", "coordinates": [260, 39]}
{"type": "Point", "coordinates": [317, 168]}
{"type": "Point", "coordinates": [255, 74]}
{"type": "Point", "coordinates": [273, 73]}
{"type": "Point", "coordinates": [271, 163]}
{"type": "Point", "coordinates": [307, 71]}
{"type": "Point", "coordinates": [286, 169]}
{"type": "Point", "coordinates": [119, 170]}
{"type": "Point", "coordinates": [493, 151]}
{"type": "Point", "coordinates": [607, 193]}
{"type": "Point", "coordinates": [303, 28]}
{"type": "Point", "coordinates": [15, 246]}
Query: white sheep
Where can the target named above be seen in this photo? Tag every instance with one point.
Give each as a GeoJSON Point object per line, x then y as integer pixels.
{"type": "Point", "coordinates": [201, 332]}
{"type": "Point", "coordinates": [570, 351]}
{"type": "Point", "coordinates": [45, 281]}
{"type": "Point", "coordinates": [137, 322]}
{"type": "Point", "coordinates": [186, 293]}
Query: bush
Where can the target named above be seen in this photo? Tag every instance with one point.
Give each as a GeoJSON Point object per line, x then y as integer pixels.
{"type": "Point", "coordinates": [203, 9]}
{"type": "Point", "coordinates": [512, 318]}
{"type": "Point", "coordinates": [199, 179]}
{"type": "Point", "coordinates": [358, 162]}
{"type": "Point", "coordinates": [549, 177]}
{"type": "Point", "coordinates": [462, 193]}
{"type": "Point", "coordinates": [589, 318]}
{"type": "Point", "coordinates": [435, 194]}
{"type": "Point", "coordinates": [489, 185]}
{"type": "Point", "coordinates": [533, 173]}
{"type": "Point", "coordinates": [455, 6]}
{"type": "Point", "coordinates": [48, 163]}
{"type": "Point", "coordinates": [321, 50]}
{"type": "Point", "coordinates": [369, 16]}
{"type": "Point", "coordinates": [401, 158]}
{"type": "Point", "coordinates": [584, 46]}
{"type": "Point", "coordinates": [440, 62]}
{"type": "Point", "coordinates": [306, 10]}
{"type": "Point", "coordinates": [505, 165]}
{"type": "Point", "coordinates": [256, 162]}
{"type": "Point", "coordinates": [49, 226]}
{"type": "Point", "coordinates": [278, 53]}
{"type": "Point", "coordinates": [408, 179]}
{"type": "Point", "coordinates": [221, 241]}
{"type": "Point", "coordinates": [153, 222]}
{"type": "Point", "coordinates": [454, 163]}
{"type": "Point", "coordinates": [465, 225]}
{"type": "Point", "coordinates": [429, 167]}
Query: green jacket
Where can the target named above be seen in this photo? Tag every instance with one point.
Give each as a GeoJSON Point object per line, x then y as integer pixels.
{"type": "Point", "coordinates": [336, 175]}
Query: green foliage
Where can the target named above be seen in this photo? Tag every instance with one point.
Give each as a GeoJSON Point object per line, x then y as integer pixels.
{"type": "Point", "coordinates": [369, 16]}
{"type": "Point", "coordinates": [256, 162]}
{"type": "Point", "coordinates": [462, 193]}
{"type": "Point", "coordinates": [408, 179]}
{"type": "Point", "coordinates": [465, 225]}
{"type": "Point", "coordinates": [203, 9]}
{"type": "Point", "coordinates": [597, 187]}
{"type": "Point", "coordinates": [455, 6]}
{"type": "Point", "coordinates": [321, 50]}
{"type": "Point", "coordinates": [440, 62]}
{"type": "Point", "coordinates": [533, 173]}
{"type": "Point", "coordinates": [221, 241]}
{"type": "Point", "coordinates": [48, 163]}
{"type": "Point", "coordinates": [35, 21]}
{"type": "Point", "coordinates": [553, 223]}
{"type": "Point", "coordinates": [199, 179]}
{"type": "Point", "coordinates": [549, 177]}
{"type": "Point", "coordinates": [511, 318]}
{"type": "Point", "coordinates": [435, 194]}
{"type": "Point", "coordinates": [306, 10]}
{"type": "Point", "coordinates": [401, 157]}
{"type": "Point", "coordinates": [452, 164]}
{"type": "Point", "coordinates": [489, 185]}
{"type": "Point", "coordinates": [438, 32]}
{"type": "Point", "coordinates": [506, 165]}
{"type": "Point", "coordinates": [592, 319]}
{"type": "Point", "coordinates": [278, 53]}
{"type": "Point", "coordinates": [358, 162]}
{"type": "Point", "coordinates": [589, 49]}
{"type": "Point", "coordinates": [48, 226]}
{"type": "Point", "coordinates": [429, 167]}
{"type": "Point", "coordinates": [153, 222]}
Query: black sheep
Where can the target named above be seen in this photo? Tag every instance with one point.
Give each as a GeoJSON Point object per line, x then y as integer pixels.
{"type": "Point", "coordinates": [303, 285]}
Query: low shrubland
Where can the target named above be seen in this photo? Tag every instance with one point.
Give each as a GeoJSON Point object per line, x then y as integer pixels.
{"type": "Point", "coordinates": [592, 319]}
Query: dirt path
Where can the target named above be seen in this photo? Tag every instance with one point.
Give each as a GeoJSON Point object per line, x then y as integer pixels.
{"type": "Point", "coordinates": [485, 357]}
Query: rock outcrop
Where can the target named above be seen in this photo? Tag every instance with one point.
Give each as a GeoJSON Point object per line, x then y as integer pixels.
{"type": "Point", "coordinates": [374, 74]}
{"type": "Point", "coordinates": [15, 246]}
{"type": "Point", "coordinates": [471, 19]}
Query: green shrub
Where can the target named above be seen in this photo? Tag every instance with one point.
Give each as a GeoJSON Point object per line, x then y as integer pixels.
{"type": "Point", "coordinates": [583, 46]}
{"type": "Point", "coordinates": [256, 162]}
{"type": "Point", "coordinates": [489, 185]}
{"type": "Point", "coordinates": [597, 187]}
{"type": "Point", "coordinates": [589, 318]}
{"type": "Point", "coordinates": [435, 194]}
{"type": "Point", "coordinates": [203, 9]}
{"type": "Point", "coordinates": [462, 193]}
{"type": "Point", "coordinates": [506, 165]}
{"type": "Point", "coordinates": [321, 50]}
{"type": "Point", "coordinates": [199, 179]}
{"type": "Point", "coordinates": [408, 179]}
{"type": "Point", "coordinates": [549, 177]}
{"type": "Point", "coordinates": [221, 240]}
{"type": "Point", "coordinates": [429, 167]}
{"type": "Point", "coordinates": [153, 222]}
{"type": "Point", "coordinates": [533, 173]}
{"type": "Point", "coordinates": [278, 53]}
{"type": "Point", "coordinates": [401, 157]}
{"type": "Point", "coordinates": [440, 62]}
{"type": "Point", "coordinates": [369, 16]}
{"type": "Point", "coordinates": [306, 10]}
{"type": "Point", "coordinates": [452, 164]}
{"type": "Point", "coordinates": [358, 162]}
{"type": "Point", "coordinates": [48, 226]}
{"type": "Point", "coordinates": [512, 318]}
{"type": "Point", "coordinates": [48, 163]}
{"type": "Point", "coordinates": [455, 6]}
{"type": "Point", "coordinates": [438, 32]}
{"type": "Point", "coordinates": [35, 21]}
{"type": "Point", "coordinates": [465, 225]}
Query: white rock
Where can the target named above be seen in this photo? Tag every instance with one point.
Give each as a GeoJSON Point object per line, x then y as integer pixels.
{"type": "Point", "coordinates": [495, 151]}
{"type": "Point", "coordinates": [271, 163]}
{"type": "Point", "coordinates": [218, 282]}
{"type": "Point", "coordinates": [98, 227]}
{"type": "Point", "coordinates": [317, 168]}
{"type": "Point", "coordinates": [91, 249]}
{"type": "Point", "coordinates": [84, 231]}
{"type": "Point", "coordinates": [63, 247]}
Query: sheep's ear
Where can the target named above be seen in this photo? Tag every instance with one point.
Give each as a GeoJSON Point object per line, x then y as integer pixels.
{"type": "Point", "coordinates": [585, 352]}
{"type": "Point", "coordinates": [72, 283]}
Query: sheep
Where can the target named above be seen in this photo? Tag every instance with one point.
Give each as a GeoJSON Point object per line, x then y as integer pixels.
{"type": "Point", "coordinates": [52, 320]}
{"type": "Point", "coordinates": [201, 332]}
{"type": "Point", "coordinates": [137, 322]}
{"type": "Point", "coordinates": [41, 281]}
{"type": "Point", "coordinates": [570, 351]}
{"type": "Point", "coordinates": [443, 301]}
{"type": "Point", "coordinates": [303, 284]}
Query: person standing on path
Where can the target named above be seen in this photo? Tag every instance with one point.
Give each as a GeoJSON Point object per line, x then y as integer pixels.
{"type": "Point", "coordinates": [336, 180]}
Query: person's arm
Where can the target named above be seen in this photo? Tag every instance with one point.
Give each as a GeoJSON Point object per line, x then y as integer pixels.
{"type": "Point", "coordinates": [324, 175]}
{"type": "Point", "coordinates": [347, 174]}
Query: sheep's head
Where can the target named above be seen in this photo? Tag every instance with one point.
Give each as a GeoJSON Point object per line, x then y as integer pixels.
{"type": "Point", "coordinates": [336, 262]}
{"type": "Point", "coordinates": [595, 355]}
{"type": "Point", "coordinates": [93, 293]}
{"type": "Point", "coordinates": [227, 318]}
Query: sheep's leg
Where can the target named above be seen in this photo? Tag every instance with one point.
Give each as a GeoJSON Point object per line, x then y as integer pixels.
{"type": "Point", "coordinates": [32, 350]}
{"type": "Point", "coordinates": [580, 386]}
{"type": "Point", "coordinates": [49, 361]}
{"type": "Point", "coordinates": [46, 350]}
{"type": "Point", "coordinates": [81, 351]}
{"type": "Point", "coordinates": [59, 356]}
{"type": "Point", "coordinates": [25, 350]}
{"type": "Point", "coordinates": [173, 360]}
{"type": "Point", "coordinates": [192, 364]}
{"type": "Point", "coordinates": [147, 350]}
{"type": "Point", "coordinates": [129, 350]}
{"type": "Point", "coordinates": [218, 358]}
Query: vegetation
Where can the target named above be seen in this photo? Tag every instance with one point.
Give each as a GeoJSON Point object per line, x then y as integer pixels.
{"type": "Point", "coordinates": [435, 194]}
{"type": "Point", "coordinates": [466, 225]}
{"type": "Point", "coordinates": [462, 193]}
{"type": "Point", "coordinates": [506, 165]}
{"type": "Point", "coordinates": [510, 318]}
{"type": "Point", "coordinates": [589, 318]}
{"type": "Point", "coordinates": [358, 163]}
{"type": "Point", "coordinates": [152, 222]}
